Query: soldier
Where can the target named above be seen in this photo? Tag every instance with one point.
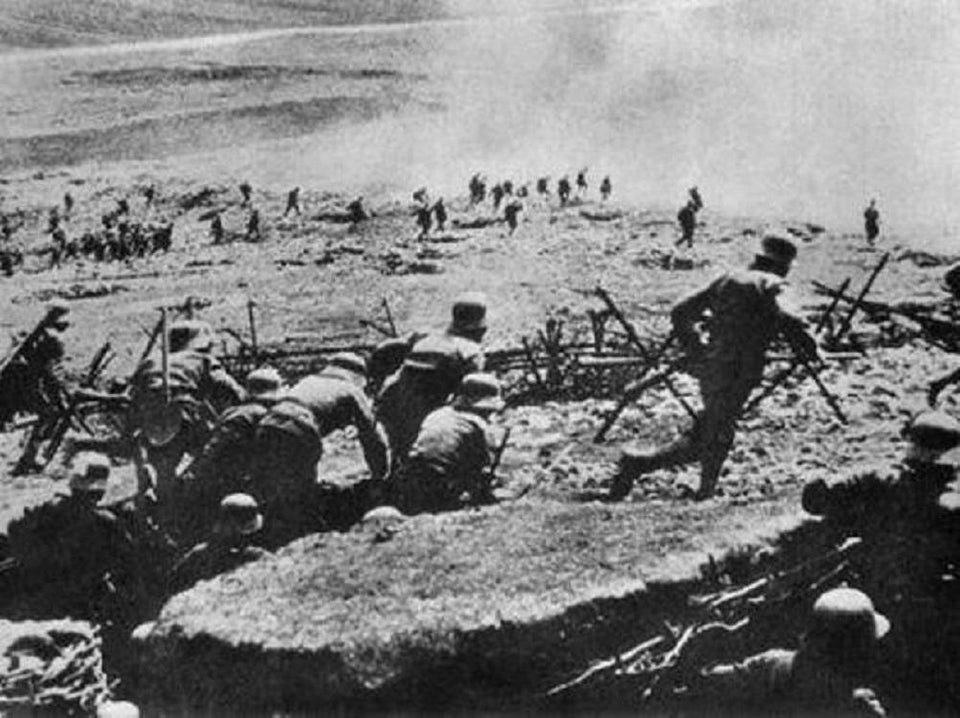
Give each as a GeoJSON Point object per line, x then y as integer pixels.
{"type": "Point", "coordinates": [512, 214]}
{"type": "Point", "coordinates": [582, 182]}
{"type": "Point", "coordinates": [59, 249]}
{"type": "Point", "coordinates": [356, 211]}
{"type": "Point", "coordinates": [497, 194]}
{"type": "Point", "coordinates": [149, 194]}
{"type": "Point", "coordinates": [168, 428]}
{"type": "Point", "coordinates": [447, 467]}
{"type": "Point", "coordinates": [289, 443]}
{"type": "Point", "coordinates": [478, 189]}
{"type": "Point", "coordinates": [254, 233]}
{"type": "Point", "coordinates": [424, 220]}
{"type": "Point", "coordinates": [431, 373]}
{"type": "Point", "coordinates": [67, 204]}
{"type": "Point", "coordinates": [224, 465]}
{"type": "Point", "coordinates": [563, 190]}
{"type": "Point", "coordinates": [420, 196]}
{"type": "Point", "coordinates": [53, 220]}
{"type": "Point", "coordinates": [827, 675]}
{"type": "Point", "coordinates": [871, 222]}
{"type": "Point", "coordinates": [72, 549]}
{"type": "Point", "coordinates": [695, 198]}
{"type": "Point", "coordinates": [31, 382]}
{"type": "Point", "coordinates": [606, 188]}
{"type": "Point", "coordinates": [687, 217]}
{"type": "Point", "coordinates": [507, 188]}
{"type": "Point", "coordinates": [293, 202]}
{"type": "Point", "coordinates": [246, 192]}
{"type": "Point", "coordinates": [523, 191]}
{"type": "Point", "coordinates": [231, 544]}
{"type": "Point", "coordinates": [543, 186]}
{"type": "Point", "coordinates": [123, 207]}
{"type": "Point", "coordinates": [440, 212]}
{"type": "Point", "coordinates": [747, 313]}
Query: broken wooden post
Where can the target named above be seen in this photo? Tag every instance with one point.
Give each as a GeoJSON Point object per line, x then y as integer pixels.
{"type": "Point", "coordinates": [845, 324]}
{"type": "Point", "coordinates": [253, 331]}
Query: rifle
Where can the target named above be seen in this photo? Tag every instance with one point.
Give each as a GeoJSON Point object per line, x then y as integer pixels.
{"type": "Point", "coordinates": [498, 453]}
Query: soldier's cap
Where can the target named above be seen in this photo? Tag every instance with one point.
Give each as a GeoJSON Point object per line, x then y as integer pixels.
{"type": "Point", "coordinates": [265, 383]}
{"type": "Point", "coordinates": [191, 334]}
{"type": "Point", "coordinates": [931, 434]}
{"type": "Point", "coordinates": [847, 612]}
{"type": "Point", "coordinates": [91, 472]}
{"type": "Point", "coordinates": [346, 363]}
{"type": "Point", "coordinates": [780, 250]}
{"type": "Point", "coordinates": [479, 391]}
{"type": "Point", "coordinates": [469, 313]}
{"type": "Point", "coordinates": [241, 512]}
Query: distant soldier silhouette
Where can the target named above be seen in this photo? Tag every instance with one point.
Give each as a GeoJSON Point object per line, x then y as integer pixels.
{"type": "Point", "coordinates": [563, 190]}
{"type": "Point", "coordinates": [424, 220]}
{"type": "Point", "coordinates": [507, 187]}
{"type": "Point", "coordinates": [606, 187]}
{"type": "Point", "coordinates": [216, 229]}
{"type": "Point", "coordinates": [293, 202]}
{"type": "Point", "coordinates": [695, 198]}
{"type": "Point", "coordinates": [582, 181]}
{"type": "Point", "coordinates": [871, 222]}
{"type": "Point", "coordinates": [523, 191]}
{"type": "Point", "coordinates": [245, 192]}
{"type": "Point", "coordinates": [123, 206]}
{"type": "Point", "coordinates": [543, 186]}
{"type": "Point", "coordinates": [67, 204]}
{"type": "Point", "coordinates": [512, 214]}
{"type": "Point", "coordinates": [357, 211]}
{"type": "Point", "coordinates": [440, 212]}
{"type": "Point", "coordinates": [687, 217]}
{"type": "Point", "coordinates": [254, 231]}
{"type": "Point", "coordinates": [497, 194]}
{"type": "Point", "coordinates": [149, 194]}
{"type": "Point", "coordinates": [478, 189]}
{"type": "Point", "coordinates": [53, 220]}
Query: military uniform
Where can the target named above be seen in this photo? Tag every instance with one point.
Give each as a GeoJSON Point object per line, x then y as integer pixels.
{"type": "Point", "coordinates": [687, 217]}
{"type": "Point", "coordinates": [289, 445]}
{"type": "Point", "coordinates": [445, 468]}
{"type": "Point", "coordinates": [746, 313]}
{"type": "Point", "coordinates": [430, 374]}
{"type": "Point", "coordinates": [871, 222]}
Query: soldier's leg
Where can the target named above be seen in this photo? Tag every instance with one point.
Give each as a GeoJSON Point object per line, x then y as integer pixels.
{"type": "Point", "coordinates": [722, 407]}
{"type": "Point", "coordinates": [633, 463]}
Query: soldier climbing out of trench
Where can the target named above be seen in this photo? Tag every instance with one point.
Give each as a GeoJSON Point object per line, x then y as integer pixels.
{"type": "Point", "coordinates": [746, 312]}
{"type": "Point", "coordinates": [289, 443]}
{"type": "Point", "coordinates": [431, 373]}
{"type": "Point", "coordinates": [448, 465]}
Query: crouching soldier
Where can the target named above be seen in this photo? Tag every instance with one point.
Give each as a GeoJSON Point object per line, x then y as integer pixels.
{"type": "Point", "coordinates": [827, 675]}
{"type": "Point", "coordinates": [448, 466]}
{"type": "Point", "coordinates": [289, 443]}
{"type": "Point", "coordinates": [224, 465]}
{"type": "Point", "coordinates": [232, 543]}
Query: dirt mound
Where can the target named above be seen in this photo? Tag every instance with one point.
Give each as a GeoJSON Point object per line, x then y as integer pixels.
{"type": "Point", "coordinates": [486, 606]}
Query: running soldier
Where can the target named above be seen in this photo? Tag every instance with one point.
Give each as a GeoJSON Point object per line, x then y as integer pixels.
{"type": "Point", "coordinates": [448, 465]}
{"type": "Point", "coordinates": [543, 186]}
{"type": "Point", "coordinates": [687, 217]}
{"type": "Point", "coordinates": [563, 190]}
{"type": "Point", "coordinates": [695, 199]}
{"type": "Point", "coordinates": [431, 373]}
{"type": "Point", "coordinates": [746, 314]}
{"type": "Point", "coordinates": [424, 220]}
{"type": "Point", "coordinates": [293, 202]}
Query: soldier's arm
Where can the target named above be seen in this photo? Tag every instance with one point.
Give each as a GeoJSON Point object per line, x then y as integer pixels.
{"type": "Point", "coordinates": [224, 389]}
{"type": "Point", "coordinates": [373, 439]}
{"type": "Point", "coordinates": [688, 312]}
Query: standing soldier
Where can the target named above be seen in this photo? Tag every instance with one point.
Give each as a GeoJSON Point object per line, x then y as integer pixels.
{"type": "Point", "coordinates": [289, 443]}
{"type": "Point", "coordinates": [356, 211]}
{"type": "Point", "coordinates": [582, 182]}
{"type": "Point", "coordinates": [173, 411]}
{"type": "Point", "coordinates": [254, 232]}
{"type": "Point", "coordinates": [246, 192]}
{"type": "Point", "coordinates": [687, 217]}
{"type": "Point", "coordinates": [563, 190]}
{"type": "Point", "coordinates": [512, 213]}
{"type": "Point", "coordinates": [440, 212]}
{"type": "Point", "coordinates": [543, 186]}
{"type": "Point", "coordinates": [424, 219]}
{"type": "Point", "coordinates": [448, 465]}
{"type": "Point", "coordinates": [478, 189]}
{"type": "Point", "coordinates": [497, 194]}
{"type": "Point", "coordinates": [293, 202]}
{"type": "Point", "coordinates": [746, 314]}
{"type": "Point", "coordinates": [216, 228]}
{"type": "Point", "coordinates": [431, 373]}
{"type": "Point", "coordinates": [67, 205]}
{"type": "Point", "coordinates": [606, 187]}
{"type": "Point", "coordinates": [871, 222]}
